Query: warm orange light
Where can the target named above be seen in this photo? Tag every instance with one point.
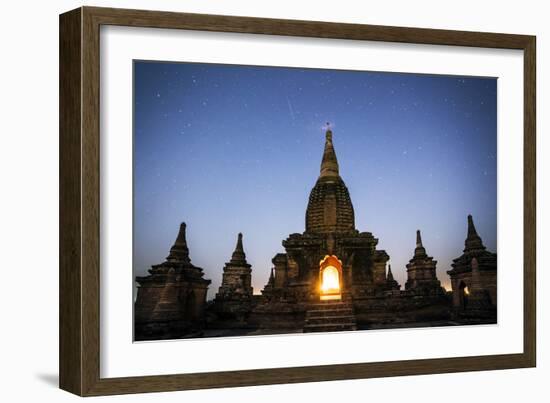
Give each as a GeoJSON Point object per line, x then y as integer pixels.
{"type": "Point", "coordinates": [330, 282]}
{"type": "Point", "coordinates": [331, 297]}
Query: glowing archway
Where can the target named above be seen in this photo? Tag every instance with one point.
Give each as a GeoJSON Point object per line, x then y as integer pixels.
{"type": "Point", "coordinates": [464, 293]}
{"type": "Point", "coordinates": [330, 278]}
{"type": "Point", "coordinates": [330, 281]}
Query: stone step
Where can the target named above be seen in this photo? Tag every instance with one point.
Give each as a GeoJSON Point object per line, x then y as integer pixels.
{"type": "Point", "coordinates": [330, 305]}
{"type": "Point", "coordinates": [330, 321]}
{"type": "Point", "coordinates": [317, 307]}
{"type": "Point", "coordinates": [329, 312]}
{"type": "Point", "coordinates": [330, 327]}
{"type": "Point", "coordinates": [329, 316]}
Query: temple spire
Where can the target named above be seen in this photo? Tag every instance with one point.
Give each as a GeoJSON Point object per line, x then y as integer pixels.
{"type": "Point", "coordinates": [329, 165]}
{"type": "Point", "coordinates": [390, 274]}
{"type": "Point", "coordinates": [419, 250]}
{"type": "Point", "coordinates": [180, 251]}
{"type": "Point", "coordinates": [391, 284]}
{"type": "Point", "coordinates": [471, 227]}
{"type": "Point", "coordinates": [239, 256]}
{"type": "Point", "coordinates": [473, 240]}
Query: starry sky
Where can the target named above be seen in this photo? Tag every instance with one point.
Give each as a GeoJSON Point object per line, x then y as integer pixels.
{"type": "Point", "coordinates": [231, 149]}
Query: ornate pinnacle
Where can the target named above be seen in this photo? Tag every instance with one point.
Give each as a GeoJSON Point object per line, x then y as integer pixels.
{"type": "Point", "coordinates": [419, 251]}
{"type": "Point", "coordinates": [180, 251]}
{"type": "Point", "coordinates": [390, 274]}
{"type": "Point", "coordinates": [239, 256]}
{"type": "Point", "coordinates": [471, 227]}
{"type": "Point", "coordinates": [329, 164]}
{"type": "Point", "coordinates": [328, 133]}
{"type": "Point", "coordinates": [473, 240]}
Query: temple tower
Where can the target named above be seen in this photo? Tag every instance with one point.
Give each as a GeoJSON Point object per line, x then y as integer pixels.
{"type": "Point", "coordinates": [329, 208]}
{"type": "Point", "coordinates": [329, 231]}
{"type": "Point", "coordinates": [474, 275]}
{"type": "Point", "coordinates": [170, 300]}
{"type": "Point", "coordinates": [421, 275]}
{"type": "Point", "coordinates": [234, 296]}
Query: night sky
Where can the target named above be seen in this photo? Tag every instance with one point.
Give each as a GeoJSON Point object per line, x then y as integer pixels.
{"type": "Point", "coordinates": [231, 149]}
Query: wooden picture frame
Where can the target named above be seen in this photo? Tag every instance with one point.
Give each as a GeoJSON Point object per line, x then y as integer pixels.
{"type": "Point", "coordinates": [79, 201]}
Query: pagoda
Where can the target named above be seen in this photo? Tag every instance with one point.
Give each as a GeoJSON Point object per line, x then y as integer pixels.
{"type": "Point", "coordinates": [171, 299]}
{"type": "Point", "coordinates": [330, 242]}
{"type": "Point", "coordinates": [234, 296]}
{"type": "Point", "coordinates": [474, 274]}
{"type": "Point", "coordinates": [421, 274]}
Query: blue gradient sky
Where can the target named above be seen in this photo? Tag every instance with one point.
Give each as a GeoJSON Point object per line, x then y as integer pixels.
{"type": "Point", "coordinates": [231, 149]}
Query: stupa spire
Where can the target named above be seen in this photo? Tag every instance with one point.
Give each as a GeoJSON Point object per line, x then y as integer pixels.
{"type": "Point", "coordinates": [180, 251]}
{"type": "Point", "coordinates": [391, 284]}
{"type": "Point", "coordinates": [239, 256]}
{"type": "Point", "coordinates": [329, 164]}
{"type": "Point", "coordinates": [419, 250]}
{"type": "Point", "coordinates": [473, 240]}
{"type": "Point", "coordinates": [390, 274]}
{"type": "Point", "coordinates": [471, 227]}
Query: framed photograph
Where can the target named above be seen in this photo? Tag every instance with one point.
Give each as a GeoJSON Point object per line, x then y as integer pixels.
{"type": "Point", "coordinates": [249, 201]}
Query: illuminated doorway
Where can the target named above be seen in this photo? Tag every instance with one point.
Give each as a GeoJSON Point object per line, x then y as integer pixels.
{"type": "Point", "coordinates": [463, 293]}
{"type": "Point", "coordinates": [330, 278]}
